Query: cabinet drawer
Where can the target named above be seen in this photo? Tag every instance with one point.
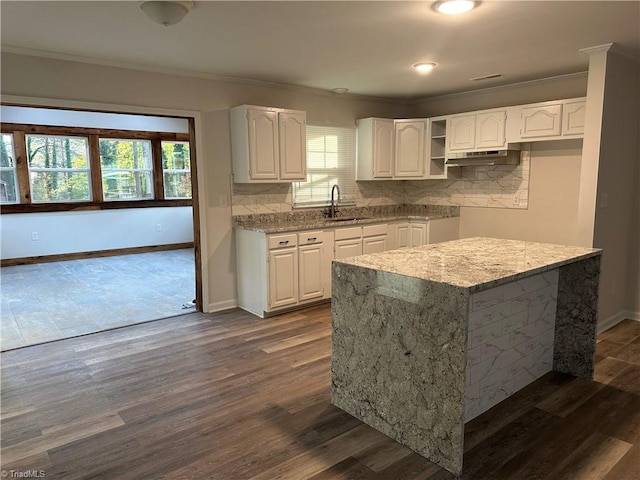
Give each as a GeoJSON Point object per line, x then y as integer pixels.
{"type": "Point", "coordinates": [281, 241]}
{"type": "Point", "coordinates": [309, 238]}
{"type": "Point", "coordinates": [373, 230]}
{"type": "Point", "coordinates": [351, 232]}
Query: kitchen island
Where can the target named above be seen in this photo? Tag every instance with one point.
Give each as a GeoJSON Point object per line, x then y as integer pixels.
{"type": "Point", "coordinates": [426, 338]}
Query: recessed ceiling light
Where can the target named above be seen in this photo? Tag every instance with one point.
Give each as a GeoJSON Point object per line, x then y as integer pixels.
{"type": "Point", "coordinates": [340, 90]}
{"type": "Point", "coordinates": [424, 67]}
{"type": "Point", "coordinates": [454, 7]}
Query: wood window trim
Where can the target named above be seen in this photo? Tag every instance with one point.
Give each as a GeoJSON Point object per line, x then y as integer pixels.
{"type": "Point", "coordinates": [19, 132]}
{"type": "Point", "coordinates": [78, 206]}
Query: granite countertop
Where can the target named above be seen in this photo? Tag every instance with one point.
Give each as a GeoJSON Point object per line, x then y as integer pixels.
{"type": "Point", "coordinates": [311, 220]}
{"type": "Point", "coordinates": [474, 263]}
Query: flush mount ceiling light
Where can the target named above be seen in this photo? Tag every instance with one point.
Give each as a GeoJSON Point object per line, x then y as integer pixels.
{"type": "Point", "coordinates": [424, 67]}
{"type": "Point", "coordinates": [166, 12]}
{"type": "Point", "coordinates": [454, 7]}
{"type": "Point", "coordinates": [340, 90]}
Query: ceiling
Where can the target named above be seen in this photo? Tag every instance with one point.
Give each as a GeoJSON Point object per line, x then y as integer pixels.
{"type": "Point", "coordinates": [365, 46]}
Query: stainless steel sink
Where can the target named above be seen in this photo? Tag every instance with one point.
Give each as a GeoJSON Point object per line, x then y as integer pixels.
{"type": "Point", "coordinates": [347, 219]}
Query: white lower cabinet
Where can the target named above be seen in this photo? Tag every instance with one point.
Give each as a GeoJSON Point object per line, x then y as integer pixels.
{"type": "Point", "coordinates": [418, 234]}
{"type": "Point", "coordinates": [285, 270]}
{"type": "Point", "coordinates": [410, 234]}
{"type": "Point", "coordinates": [374, 238]}
{"type": "Point", "coordinates": [281, 271]}
{"type": "Point", "coordinates": [283, 277]}
{"type": "Point", "coordinates": [353, 241]}
{"type": "Point", "coordinates": [310, 285]}
{"type": "Point", "coordinates": [422, 232]}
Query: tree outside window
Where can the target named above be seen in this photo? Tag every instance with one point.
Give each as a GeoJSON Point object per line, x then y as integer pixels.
{"type": "Point", "coordinates": [176, 169]}
{"type": "Point", "coordinates": [127, 169]}
{"type": "Point", "coordinates": [58, 168]}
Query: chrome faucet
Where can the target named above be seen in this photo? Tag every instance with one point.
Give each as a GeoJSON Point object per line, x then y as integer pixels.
{"type": "Point", "coordinates": [332, 208]}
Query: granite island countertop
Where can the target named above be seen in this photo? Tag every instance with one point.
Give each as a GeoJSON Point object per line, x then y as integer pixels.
{"type": "Point", "coordinates": [313, 219]}
{"type": "Point", "coordinates": [475, 263]}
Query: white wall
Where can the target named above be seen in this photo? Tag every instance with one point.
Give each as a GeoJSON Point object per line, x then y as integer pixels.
{"type": "Point", "coordinates": [92, 230]}
{"type": "Point", "coordinates": [616, 220]}
{"type": "Point", "coordinates": [555, 88]}
{"type": "Point", "coordinates": [553, 200]}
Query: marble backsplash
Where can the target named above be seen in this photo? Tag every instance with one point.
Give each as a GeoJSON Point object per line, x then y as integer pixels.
{"type": "Point", "coordinates": [500, 186]}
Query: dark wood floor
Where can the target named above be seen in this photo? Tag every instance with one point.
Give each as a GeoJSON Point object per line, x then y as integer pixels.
{"type": "Point", "coordinates": [230, 396]}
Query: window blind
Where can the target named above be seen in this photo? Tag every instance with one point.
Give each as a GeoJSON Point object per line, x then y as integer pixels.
{"type": "Point", "coordinates": [331, 159]}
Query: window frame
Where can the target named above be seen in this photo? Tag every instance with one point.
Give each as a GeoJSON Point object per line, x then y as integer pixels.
{"type": "Point", "coordinates": [13, 169]}
{"type": "Point", "coordinates": [26, 205]}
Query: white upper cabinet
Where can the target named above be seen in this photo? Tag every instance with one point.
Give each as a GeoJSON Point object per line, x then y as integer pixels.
{"type": "Point", "coordinates": [552, 120]}
{"type": "Point", "coordinates": [490, 129]}
{"type": "Point", "coordinates": [268, 144]}
{"type": "Point", "coordinates": [462, 132]}
{"type": "Point", "coordinates": [477, 131]}
{"type": "Point", "coordinates": [292, 127]}
{"type": "Point", "coordinates": [375, 148]}
{"type": "Point", "coordinates": [573, 115]}
{"type": "Point", "coordinates": [389, 149]}
{"type": "Point", "coordinates": [263, 144]}
{"type": "Point", "coordinates": [541, 121]}
{"type": "Point", "coordinates": [410, 148]}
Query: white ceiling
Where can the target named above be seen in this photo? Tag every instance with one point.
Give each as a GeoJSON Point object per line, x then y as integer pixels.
{"type": "Point", "coordinates": [365, 46]}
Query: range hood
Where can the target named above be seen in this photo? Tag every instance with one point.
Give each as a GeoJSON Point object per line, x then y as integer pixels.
{"type": "Point", "coordinates": [510, 156]}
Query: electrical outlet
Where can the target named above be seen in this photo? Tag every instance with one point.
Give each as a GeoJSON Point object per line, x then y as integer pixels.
{"type": "Point", "coordinates": [34, 236]}
{"type": "Point", "coordinates": [158, 227]}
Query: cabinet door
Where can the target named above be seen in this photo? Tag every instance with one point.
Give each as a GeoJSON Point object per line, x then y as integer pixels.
{"type": "Point", "coordinates": [409, 148]}
{"type": "Point", "coordinates": [310, 279]}
{"type": "Point", "coordinates": [374, 244]}
{"type": "Point", "coordinates": [263, 144]}
{"type": "Point", "coordinates": [402, 235]}
{"type": "Point", "coordinates": [347, 248]}
{"type": "Point", "coordinates": [461, 132]}
{"type": "Point", "coordinates": [573, 114]}
{"type": "Point", "coordinates": [293, 145]}
{"type": "Point", "coordinates": [283, 277]}
{"type": "Point", "coordinates": [418, 234]}
{"type": "Point", "coordinates": [541, 121]}
{"type": "Point", "coordinates": [490, 130]}
{"type": "Point", "coordinates": [383, 148]}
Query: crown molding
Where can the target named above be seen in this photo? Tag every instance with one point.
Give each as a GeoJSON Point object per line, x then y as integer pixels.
{"type": "Point", "coordinates": [613, 48]}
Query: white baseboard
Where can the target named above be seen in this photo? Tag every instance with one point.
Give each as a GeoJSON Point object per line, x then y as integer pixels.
{"type": "Point", "coordinates": [612, 321]}
{"type": "Point", "coordinates": [220, 306]}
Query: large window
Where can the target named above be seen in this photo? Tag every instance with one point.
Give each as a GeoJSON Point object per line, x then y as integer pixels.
{"type": "Point", "coordinates": [127, 169]}
{"type": "Point", "coordinates": [78, 168]}
{"type": "Point", "coordinates": [58, 168]}
{"type": "Point", "coordinates": [331, 160]}
{"type": "Point", "coordinates": [176, 169]}
{"type": "Point", "coordinates": [8, 178]}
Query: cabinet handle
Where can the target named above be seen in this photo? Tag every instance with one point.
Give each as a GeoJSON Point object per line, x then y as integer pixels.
{"type": "Point", "coordinates": [311, 239]}
{"type": "Point", "coordinates": [284, 242]}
